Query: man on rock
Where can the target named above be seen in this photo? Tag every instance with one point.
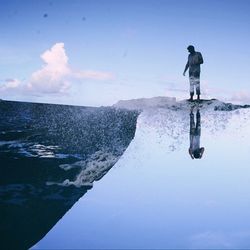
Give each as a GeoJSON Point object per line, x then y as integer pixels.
{"type": "Point", "coordinates": [194, 61]}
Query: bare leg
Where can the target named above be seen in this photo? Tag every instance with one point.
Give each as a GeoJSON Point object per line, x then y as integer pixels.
{"type": "Point", "coordinates": [191, 97]}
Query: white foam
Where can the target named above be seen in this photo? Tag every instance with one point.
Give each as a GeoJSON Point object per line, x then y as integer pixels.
{"type": "Point", "coordinates": [145, 103]}
{"type": "Point", "coordinates": [167, 102]}
{"type": "Point", "coordinates": [161, 131]}
{"type": "Point", "coordinates": [28, 149]}
{"type": "Point", "coordinates": [9, 143]}
{"type": "Point", "coordinates": [92, 169]}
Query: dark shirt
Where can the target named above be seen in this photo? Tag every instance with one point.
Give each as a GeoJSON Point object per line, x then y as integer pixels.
{"type": "Point", "coordinates": [194, 61]}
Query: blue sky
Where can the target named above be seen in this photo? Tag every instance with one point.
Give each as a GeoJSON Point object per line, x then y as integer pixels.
{"type": "Point", "coordinates": [98, 52]}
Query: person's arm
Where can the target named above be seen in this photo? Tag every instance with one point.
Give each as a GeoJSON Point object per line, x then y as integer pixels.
{"type": "Point", "coordinates": [200, 58]}
{"type": "Point", "coordinates": [186, 68]}
{"type": "Point", "coordinates": [202, 151]}
{"type": "Point", "coordinates": [190, 153]}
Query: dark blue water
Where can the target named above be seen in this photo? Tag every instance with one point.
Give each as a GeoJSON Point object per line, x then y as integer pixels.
{"type": "Point", "coordinates": [50, 155]}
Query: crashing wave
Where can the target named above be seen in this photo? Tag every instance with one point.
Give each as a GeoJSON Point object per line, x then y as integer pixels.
{"type": "Point", "coordinates": [171, 103]}
{"type": "Point", "coordinates": [92, 169]}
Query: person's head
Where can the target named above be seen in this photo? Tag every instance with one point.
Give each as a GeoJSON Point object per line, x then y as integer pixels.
{"type": "Point", "coordinates": [191, 49]}
{"type": "Point", "coordinates": [197, 154]}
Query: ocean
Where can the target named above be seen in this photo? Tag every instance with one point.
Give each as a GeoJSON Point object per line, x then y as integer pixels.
{"type": "Point", "coordinates": [50, 155]}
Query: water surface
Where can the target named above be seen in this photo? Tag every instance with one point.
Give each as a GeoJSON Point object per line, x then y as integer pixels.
{"type": "Point", "coordinates": [155, 195]}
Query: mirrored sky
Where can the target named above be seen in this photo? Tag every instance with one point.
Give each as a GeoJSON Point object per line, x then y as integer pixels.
{"type": "Point", "coordinates": [156, 196]}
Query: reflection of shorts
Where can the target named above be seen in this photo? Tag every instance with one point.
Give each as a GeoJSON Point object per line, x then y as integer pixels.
{"type": "Point", "coordinates": [194, 79]}
{"type": "Point", "coordinates": [195, 128]}
{"type": "Point", "coordinates": [195, 132]}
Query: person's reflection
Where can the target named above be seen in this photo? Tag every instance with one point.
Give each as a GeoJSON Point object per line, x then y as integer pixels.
{"type": "Point", "coordinates": [195, 150]}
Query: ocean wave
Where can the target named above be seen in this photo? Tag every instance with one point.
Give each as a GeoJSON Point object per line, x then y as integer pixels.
{"type": "Point", "coordinates": [92, 169]}
{"type": "Point", "coordinates": [37, 150]}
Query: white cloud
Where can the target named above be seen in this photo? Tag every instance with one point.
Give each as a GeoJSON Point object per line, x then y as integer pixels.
{"type": "Point", "coordinates": [210, 240]}
{"type": "Point", "coordinates": [52, 78]}
{"type": "Point", "coordinates": [180, 89]}
{"type": "Point", "coordinates": [94, 75]}
{"type": "Point", "coordinates": [220, 239]}
{"type": "Point", "coordinates": [241, 97]}
{"type": "Point", "coordinates": [10, 84]}
{"type": "Point", "coordinates": [55, 76]}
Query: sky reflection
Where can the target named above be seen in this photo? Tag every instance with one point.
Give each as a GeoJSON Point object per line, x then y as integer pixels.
{"type": "Point", "coordinates": [157, 197]}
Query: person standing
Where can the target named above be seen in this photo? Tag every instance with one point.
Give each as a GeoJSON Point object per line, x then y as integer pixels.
{"type": "Point", "coordinates": [195, 59]}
